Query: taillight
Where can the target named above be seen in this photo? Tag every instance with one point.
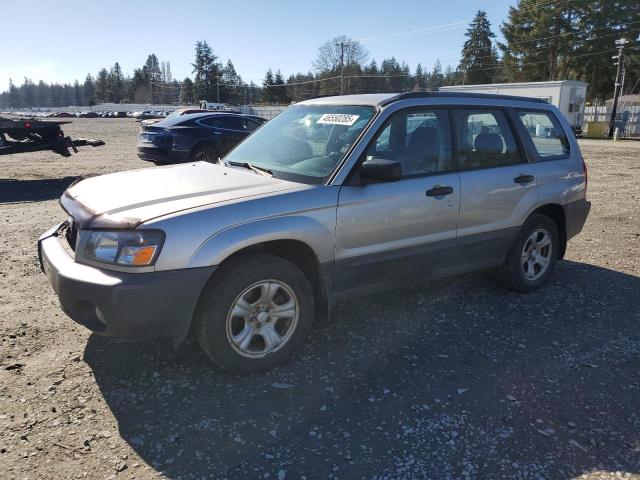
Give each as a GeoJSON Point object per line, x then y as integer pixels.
{"type": "Point", "coordinates": [27, 124]}
{"type": "Point", "coordinates": [586, 175]}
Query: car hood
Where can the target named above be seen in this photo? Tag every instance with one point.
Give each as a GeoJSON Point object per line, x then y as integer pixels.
{"type": "Point", "coordinates": [126, 199]}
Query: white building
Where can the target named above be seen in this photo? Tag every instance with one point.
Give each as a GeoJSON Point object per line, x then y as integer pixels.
{"type": "Point", "coordinates": [567, 95]}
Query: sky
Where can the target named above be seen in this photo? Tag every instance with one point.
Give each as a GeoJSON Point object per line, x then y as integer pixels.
{"type": "Point", "coordinates": [64, 40]}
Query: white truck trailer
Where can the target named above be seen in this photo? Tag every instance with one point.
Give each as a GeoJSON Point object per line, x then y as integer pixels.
{"type": "Point", "coordinates": [567, 95]}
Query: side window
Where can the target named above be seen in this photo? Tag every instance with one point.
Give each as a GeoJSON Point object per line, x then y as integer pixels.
{"type": "Point", "coordinates": [233, 123]}
{"type": "Point", "coordinates": [250, 125]}
{"type": "Point", "coordinates": [419, 140]}
{"type": "Point", "coordinates": [211, 122]}
{"type": "Point", "coordinates": [546, 133]}
{"type": "Point", "coordinates": [484, 139]}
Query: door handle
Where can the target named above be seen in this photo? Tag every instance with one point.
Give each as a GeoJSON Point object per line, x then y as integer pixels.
{"type": "Point", "coordinates": [523, 178]}
{"type": "Point", "coordinates": [439, 190]}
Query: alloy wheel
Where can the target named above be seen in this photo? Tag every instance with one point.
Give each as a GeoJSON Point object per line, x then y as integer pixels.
{"type": "Point", "coordinates": [536, 254]}
{"type": "Point", "coordinates": [262, 318]}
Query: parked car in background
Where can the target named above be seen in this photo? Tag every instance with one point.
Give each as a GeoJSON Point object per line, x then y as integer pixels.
{"type": "Point", "coordinates": [175, 113]}
{"type": "Point", "coordinates": [334, 197]}
{"type": "Point", "coordinates": [195, 136]}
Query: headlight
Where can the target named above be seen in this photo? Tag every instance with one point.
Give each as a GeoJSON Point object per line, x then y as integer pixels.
{"type": "Point", "coordinates": [136, 248]}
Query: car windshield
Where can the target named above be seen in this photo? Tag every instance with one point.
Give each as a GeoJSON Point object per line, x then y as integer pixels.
{"type": "Point", "coordinates": [304, 143]}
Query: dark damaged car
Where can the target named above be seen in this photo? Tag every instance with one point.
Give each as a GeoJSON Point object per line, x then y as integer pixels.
{"type": "Point", "coordinates": [195, 137]}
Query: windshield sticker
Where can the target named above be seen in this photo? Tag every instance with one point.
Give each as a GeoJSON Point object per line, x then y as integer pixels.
{"type": "Point", "coordinates": [338, 119]}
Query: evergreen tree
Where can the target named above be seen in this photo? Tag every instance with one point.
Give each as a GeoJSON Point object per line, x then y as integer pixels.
{"type": "Point", "coordinates": [419, 79]}
{"type": "Point", "coordinates": [28, 93]}
{"type": "Point", "coordinates": [186, 92]}
{"type": "Point", "coordinates": [232, 83]}
{"type": "Point", "coordinates": [279, 91]}
{"type": "Point", "coordinates": [536, 37]}
{"type": "Point", "coordinates": [88, 88]}
{"type": "Point", "coordinates": [115, 84]}
{"type": "Point", "coordinates": [102, 87]}
{"type": "Point", "coordinates": [152, 76]}
{"type": "Point", "coordinates": [373, 82]}
{"type": "Point", "coordinates": [77, 94]}
{"type": "Point", "coordinates": [436, 78]}
{"type": "Point", "coordinates": [13, 95]}
{"type": "Point", "coordinates": [269, 94]}
{"type": "Point", "coordinates": [479, 56]}
{"type": "Point", "coordinates": [207, 70]}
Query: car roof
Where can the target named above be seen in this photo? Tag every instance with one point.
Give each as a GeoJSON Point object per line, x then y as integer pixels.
{"type": "Point", "coordinates": [383, 99]}
{"type": "Point", "coordinates": [168, 122]}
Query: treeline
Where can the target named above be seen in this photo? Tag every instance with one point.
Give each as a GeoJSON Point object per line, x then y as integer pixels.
{"type": "Point", "coordinates": [151, 83]}
{"type": "Point", "coordinates": [543, 40]}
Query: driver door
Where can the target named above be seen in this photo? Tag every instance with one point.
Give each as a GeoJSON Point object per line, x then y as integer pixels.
{"type": "Point", "coordinates": [389, 231]}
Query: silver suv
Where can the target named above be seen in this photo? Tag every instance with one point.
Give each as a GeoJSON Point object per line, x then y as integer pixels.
{"type": "Point", "coordinates": [334, 197]}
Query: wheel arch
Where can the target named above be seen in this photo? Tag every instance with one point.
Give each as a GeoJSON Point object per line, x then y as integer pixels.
{"type": "Point", "coordinates": [556, 213]}
{"type": "Point", "coordinates": [204, 142]}
{"type": "Point", "coordinates": [301, 255]}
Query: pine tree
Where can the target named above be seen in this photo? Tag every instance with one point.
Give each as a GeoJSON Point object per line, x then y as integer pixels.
{"type": "Point", "coordinates": [207, 70]}
{"type": "Point", "coordinates": [232, 84]}
{"type": "Point", "coordinates": [436, 78]}
{"type": "Point", "coordinates": [186, 92]}
{"type": "Point", "coordinates": [102, 86]}
{"type": "Point", "coordinates": [418, 79]}
{"type": "Point", "coordinates": [268, 90]}
{"type": "Point", "coordinates": [280, 92]}
{"type": "Point", "coordinates": [479, 56]}
{"type": "Point", "coordinates": [536, 39]}
{"type": "Point", "coordinates": [115, 84]}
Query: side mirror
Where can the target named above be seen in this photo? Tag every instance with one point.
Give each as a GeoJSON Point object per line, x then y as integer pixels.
{"type": "Point", "coordinates": [380, 170]}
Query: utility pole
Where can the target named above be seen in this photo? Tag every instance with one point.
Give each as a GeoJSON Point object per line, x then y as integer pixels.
{"type": "Point", "coordinates": [217, 85]}
{"type": "Point", "coordinates": [617, 88]}
{"type": "Point", "coordinates": [342, 45]}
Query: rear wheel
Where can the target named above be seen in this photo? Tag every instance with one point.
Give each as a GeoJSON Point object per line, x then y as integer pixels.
{"type": "Point", "coordinates": [254, 314]}
{"type": "Point", "coordinates": [204, 153]}
{"type": "Point", "coordinates": [533, 255]}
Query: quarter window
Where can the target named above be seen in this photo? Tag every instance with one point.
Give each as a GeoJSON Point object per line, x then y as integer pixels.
{"type": "Point", "coordinates": [484, 139]}
{"type": "Point", "coordinates": [250, 125]}
{"type": "Point", "coordinates": [418, 139]}
{"type": "Point", "coordinates": [546, 134]}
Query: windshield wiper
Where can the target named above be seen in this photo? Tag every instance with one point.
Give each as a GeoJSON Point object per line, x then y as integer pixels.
{"type": "Point", "coordinates": [255, 168]}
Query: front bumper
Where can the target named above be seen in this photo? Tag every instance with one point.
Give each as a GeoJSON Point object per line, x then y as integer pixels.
{"type": "Point", "coordinates": [119, 304]}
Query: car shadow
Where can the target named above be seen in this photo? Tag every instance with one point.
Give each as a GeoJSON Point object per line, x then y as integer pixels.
{"type": "Point", "coordinates": [36, 190]}
{"type": "Point", "coordinates": [455, 378]}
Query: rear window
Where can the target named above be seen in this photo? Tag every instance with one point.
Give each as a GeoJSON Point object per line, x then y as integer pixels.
{"type": "Point", "coordinates": [546, 134]}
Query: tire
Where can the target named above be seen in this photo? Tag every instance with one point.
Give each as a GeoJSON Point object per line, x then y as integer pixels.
{"type": "Point", "coordinates": [232, 308]}
{"type": "Point", "coordinates": [522, 269]}
{"type": "Point", "coordinates": [204, 153]}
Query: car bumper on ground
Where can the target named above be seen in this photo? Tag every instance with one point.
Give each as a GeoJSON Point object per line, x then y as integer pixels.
{"type": "Point", "coordinates": [119, 304]}
{"type": "Point", "coordinates": [576, 215]}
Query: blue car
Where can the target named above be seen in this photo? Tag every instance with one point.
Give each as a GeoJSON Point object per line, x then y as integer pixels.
{"type": "Point", "coordinates": [195, 137]}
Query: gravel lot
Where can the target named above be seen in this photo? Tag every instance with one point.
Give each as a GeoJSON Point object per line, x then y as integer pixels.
{"type": "Point", "coordinates": [455, 379]}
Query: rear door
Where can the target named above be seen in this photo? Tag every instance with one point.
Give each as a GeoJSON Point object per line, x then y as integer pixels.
{"type": "Point", "coordinates": [234, 131]}
{"type": "Point", "coordinates": [393, 230]}
{"type": "Point", "coordinates": [498, 184]}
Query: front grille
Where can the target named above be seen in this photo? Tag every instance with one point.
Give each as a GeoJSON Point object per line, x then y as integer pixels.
{"type": "Point", "coordinates": [70, 231]}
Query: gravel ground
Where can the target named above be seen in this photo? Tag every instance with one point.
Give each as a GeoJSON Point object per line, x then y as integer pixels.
{"type": "Point", "coordinates": [455, 379]}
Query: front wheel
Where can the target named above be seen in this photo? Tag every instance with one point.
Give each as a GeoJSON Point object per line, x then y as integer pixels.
{"type": "Point", "coordinates": [532, 256]}
{"type": "Point", "coordinates": [254, 314]}
{"type": "Point", "coordinates": [204, 153]}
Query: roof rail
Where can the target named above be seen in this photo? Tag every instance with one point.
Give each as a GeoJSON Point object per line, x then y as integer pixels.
{"type": "Point", "coordinates": [407, 95]}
